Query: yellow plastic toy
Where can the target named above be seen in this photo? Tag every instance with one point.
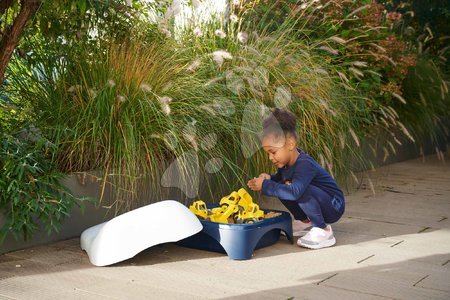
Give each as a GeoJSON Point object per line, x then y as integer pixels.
{"type": "Point", "coordinates": [231, 199]}
{"type": "Point", "coordinates": [199, 209]}
{"type": "Point", "coordinates": [245, 199]}
{"type": "Point", "coordinates": [237, 207]}
{"type": "Point", "coordinates": [252, 215]}
{"type": "Point", "coordinates": [226, 215]}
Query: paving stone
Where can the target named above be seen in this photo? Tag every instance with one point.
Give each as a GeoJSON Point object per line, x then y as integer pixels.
{"type": "Point", "coordinates": [436, 282]}
{"type": "Point", "coordinates": [383, 283]}
{"type": "Point", "coordinates": [134, 290]}
{"type": "Point", "coordinates": [308, 291]}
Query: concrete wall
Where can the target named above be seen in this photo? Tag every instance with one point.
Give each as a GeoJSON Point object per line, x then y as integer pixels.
{"type": "Point", "coordinates": [408, 149]}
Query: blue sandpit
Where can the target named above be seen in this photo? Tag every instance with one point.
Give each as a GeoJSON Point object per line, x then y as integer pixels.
{"type": "Point", "coordinates": [239, 241]}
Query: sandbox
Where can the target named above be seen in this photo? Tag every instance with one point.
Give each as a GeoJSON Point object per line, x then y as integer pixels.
{"type": "Point", "coordinates": [239, 241]}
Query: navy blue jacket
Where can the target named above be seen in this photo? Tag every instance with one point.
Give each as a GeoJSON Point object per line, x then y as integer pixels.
{"type": "Point", "coordinates": [290, 182]}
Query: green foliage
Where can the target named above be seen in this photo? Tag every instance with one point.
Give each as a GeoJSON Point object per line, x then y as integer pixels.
{"type": "Point", "coordinates": [273, 69]}
{"type": "Point", "coordinates": [126, 90]}
{"type": "Point", "coordinates": [10, 118]}
{"type": "Point", "coordinates": [30, 188]}
{"type": "Point", "coordinates": [105, 110]}
{"type": "Point", "coordinates": [425, 24]}
{"type": "Point", "coordinates": [360, 40]}
{"type": "Point", "coordinates": [426, 92]}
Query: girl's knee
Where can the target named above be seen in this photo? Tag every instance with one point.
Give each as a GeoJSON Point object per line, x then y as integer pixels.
{"type": "Point", "coordinates": [337, 211]}
{"type": "Point", "coordinates": [338, 204]}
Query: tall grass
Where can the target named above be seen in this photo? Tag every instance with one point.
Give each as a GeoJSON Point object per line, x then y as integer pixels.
{"type": "Point", "coordinates": [126, 111]}
{"type": "Point", "coordinates": [426, 91]}
{"type": "Point", "coordinates": [129, 110]}
{"type": "Point", "coordinates": [358, 40]}
{"type": "Point", "coordinates": [333, 116]}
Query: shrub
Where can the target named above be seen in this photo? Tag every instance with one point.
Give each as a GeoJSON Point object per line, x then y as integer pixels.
{"type": "Point", "coordinates": [369, 48]}
{"type": "Point", "coordinates": [31, 192]}
{"type": "Point", "coordinates": [131, 107]}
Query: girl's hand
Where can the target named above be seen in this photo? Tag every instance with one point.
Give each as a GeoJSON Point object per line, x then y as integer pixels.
{"type": "Point", "coordinates": [255, 184]}
{"type": "Point", "coordinates": [264, 176]}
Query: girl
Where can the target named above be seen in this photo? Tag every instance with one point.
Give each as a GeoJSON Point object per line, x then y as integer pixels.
{"type": "Point", "coordinates": [306, 189]}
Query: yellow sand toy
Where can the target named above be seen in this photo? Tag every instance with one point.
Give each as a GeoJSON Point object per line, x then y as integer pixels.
{"type": "Point", "coordinates": [225, 215]}
{"type": "Point", "coordinates": [245, 200]}
{"type": "Point", "coordinates": [231, 199]}
{"type": "Point", "coordinates": [199, 209]}
{"type": "Point", "coordinates": [237, 207]}
{"type": "Point", "coordinates": [252, 215]}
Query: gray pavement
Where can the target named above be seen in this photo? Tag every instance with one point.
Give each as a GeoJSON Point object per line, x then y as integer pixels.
{"type": "Point", "coordinates": [391, 245]}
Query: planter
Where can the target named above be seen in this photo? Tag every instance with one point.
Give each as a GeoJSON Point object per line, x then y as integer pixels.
{"type": "Point", "coordinates": [91, 215]}
{"type": "Point", "coordinates": [72, 225]}
{"type": "Point", "coordinates": [372, 149]}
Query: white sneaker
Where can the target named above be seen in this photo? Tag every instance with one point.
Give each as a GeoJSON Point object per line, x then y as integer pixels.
{"type": "Point", "coordinates": [301, 229]}
{"type": "Point", "coordinates": [317, 238]}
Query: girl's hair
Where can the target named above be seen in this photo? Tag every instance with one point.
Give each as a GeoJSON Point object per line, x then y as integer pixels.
{"type": "Point", "coordinates": [280, 122]}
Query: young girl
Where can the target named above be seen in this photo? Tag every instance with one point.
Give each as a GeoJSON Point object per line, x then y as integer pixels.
{"type": "Point", "coordinates": [306, 189]}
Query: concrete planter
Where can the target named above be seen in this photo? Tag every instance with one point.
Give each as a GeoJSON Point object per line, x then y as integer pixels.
{"type": "Point", "coordinates": [408, 149]}
{"type": "Point", "coordinates": [71, 227]}
{"type": "Point", "coordinates": [78, 221]}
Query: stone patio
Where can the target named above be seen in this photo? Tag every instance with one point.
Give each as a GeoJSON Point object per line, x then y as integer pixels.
{"type": "Point", "coordinates": [394, 244]}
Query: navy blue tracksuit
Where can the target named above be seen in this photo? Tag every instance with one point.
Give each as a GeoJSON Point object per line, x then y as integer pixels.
{"type": "Point", "coordinates": [308, 191]}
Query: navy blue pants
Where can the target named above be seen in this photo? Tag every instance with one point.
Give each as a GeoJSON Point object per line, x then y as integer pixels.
{"type": "Point", "coordinates": [317, 206]}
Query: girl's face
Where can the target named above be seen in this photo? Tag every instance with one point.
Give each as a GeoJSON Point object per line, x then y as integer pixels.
{"type": "Point", "coordinates": [280, 149]}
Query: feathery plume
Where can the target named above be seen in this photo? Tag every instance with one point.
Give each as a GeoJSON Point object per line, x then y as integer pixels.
{"type": "Point", "coordinates": [220, 33]}
{"type": "Point", "coordinates": [242, 37]}
{"type": "Point", "coordinates": [354, 136]}
{"type": "Point", "coordinates": [220, 55]}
